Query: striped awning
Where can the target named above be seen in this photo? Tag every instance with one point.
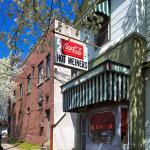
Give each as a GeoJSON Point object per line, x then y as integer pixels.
{"type": "Point", "coordinates": [107, 82]}
{"type": "Point", "coordinates": [103, 7]}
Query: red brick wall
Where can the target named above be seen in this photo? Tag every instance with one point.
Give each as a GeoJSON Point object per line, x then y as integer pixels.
{"type": "Point", "coordinates": [27, 125]}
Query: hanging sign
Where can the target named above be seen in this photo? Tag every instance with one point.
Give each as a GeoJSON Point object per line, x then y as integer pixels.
{"type": "Point", "coordinates": [71, 54]}
{"type": "Point", "coordinates": [102, 127]}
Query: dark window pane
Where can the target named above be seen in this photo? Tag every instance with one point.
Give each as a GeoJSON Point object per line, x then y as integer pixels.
{"type": "Point", "coordinates": [40, 73]}
{"type": "Point", "coordinates": [48, 66]}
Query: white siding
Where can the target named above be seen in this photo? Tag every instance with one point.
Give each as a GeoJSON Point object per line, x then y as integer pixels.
{"type": "Point", "coordinates": [91, 53]}
{"type": "Point", "coordinates": [64, 131]}
{"type": "Point", "coordinates": [127, 16]}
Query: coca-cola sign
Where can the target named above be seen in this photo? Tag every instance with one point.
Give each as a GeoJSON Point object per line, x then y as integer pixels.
{"type": "Point", "coordinates": [71, 54]}
{"type": "Point", "coordinates": [72, 49]}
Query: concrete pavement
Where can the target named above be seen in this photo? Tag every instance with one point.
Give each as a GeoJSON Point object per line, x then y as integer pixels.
{"type": "Point", "coordinates": [7, 146]}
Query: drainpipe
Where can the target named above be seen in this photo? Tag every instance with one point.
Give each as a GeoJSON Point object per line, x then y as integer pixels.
{"type": "Point", "coordinates": [51, 138]}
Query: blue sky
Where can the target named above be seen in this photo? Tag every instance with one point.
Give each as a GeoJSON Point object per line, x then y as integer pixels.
{"type": "Point", "coordinates": [6, 25]}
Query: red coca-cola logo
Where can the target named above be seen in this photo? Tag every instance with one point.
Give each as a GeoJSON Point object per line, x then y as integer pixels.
{"type": "Point", "coordinates": [72, 49]}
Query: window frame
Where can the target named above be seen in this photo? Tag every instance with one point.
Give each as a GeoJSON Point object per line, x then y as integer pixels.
{"type": "Point", "coordinates": [102, 35]}
{"type": "Point", "coordinates": [40, 73]}
{"type": "Point", "coordinates": [74, 73]}
{"type": "Point", "coordinates": [29, 83]}
{"type": "Point", "coordinates": [108, 22]}
{"type": "Point", "coordinates": [48, 65]}
{"type": "Point", "coordinates": [21, 90]}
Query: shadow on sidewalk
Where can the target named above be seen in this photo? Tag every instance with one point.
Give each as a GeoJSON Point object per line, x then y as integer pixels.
{"type": "Point", "coordinates": [9, 146]}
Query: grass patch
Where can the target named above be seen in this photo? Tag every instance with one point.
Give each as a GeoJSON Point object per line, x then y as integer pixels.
{"type": "Point", "coordinates": [27, 146]}
{"type": "Point", "coordinates": [21, 145]}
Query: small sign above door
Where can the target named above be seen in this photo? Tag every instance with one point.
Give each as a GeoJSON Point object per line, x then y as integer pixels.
{"type": "Point", "coordinates": [102, 127]}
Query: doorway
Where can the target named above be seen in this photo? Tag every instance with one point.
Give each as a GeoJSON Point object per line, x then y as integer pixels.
{"type": "Point", "coordinates": [48, 123]}
{"type": "Point", "coordinates": [83, 129]}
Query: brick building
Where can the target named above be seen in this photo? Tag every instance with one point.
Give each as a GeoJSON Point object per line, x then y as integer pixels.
{"type": "Point", "coordinates": [34, 96]}
{"type": "Point", "coordinates": [37, 114]}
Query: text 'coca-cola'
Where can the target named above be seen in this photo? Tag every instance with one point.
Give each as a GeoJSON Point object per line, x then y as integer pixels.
{"type": "Point", "coordinates": [72, 49]}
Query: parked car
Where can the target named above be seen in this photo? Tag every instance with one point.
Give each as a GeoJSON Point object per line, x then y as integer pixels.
{"type": "Point", "coordinates": [4, 133]}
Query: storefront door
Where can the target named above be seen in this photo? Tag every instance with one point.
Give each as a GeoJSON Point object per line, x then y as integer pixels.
{"type": "Point", "coordinates": [104, 130]}
{"type": "Point", "coordinates": [48, 123]}
{"type": "Point", "coordinates": [83, 128]}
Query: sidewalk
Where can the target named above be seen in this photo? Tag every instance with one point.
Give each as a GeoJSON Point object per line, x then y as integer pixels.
{"type": "Point", "coordinates": [7, 146]}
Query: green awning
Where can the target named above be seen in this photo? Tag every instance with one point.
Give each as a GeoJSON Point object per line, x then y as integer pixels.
{"type": "Point", "coordinates": [107, 82]}
{"type": "Point", "coordinates": [103, 7]}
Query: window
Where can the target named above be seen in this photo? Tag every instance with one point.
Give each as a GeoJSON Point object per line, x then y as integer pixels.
{"type": "Point", "coordinates": [28, 110]}
{"type": "Point", "coordinates": [73, 73]}
{"type": "Point", "coordinates": [47, 114]}
{"type": "Point", "coordinates": [40, 73]}
{"type": "Point", "coordinates": [103, 35]}
{"type": "Point", "coordinates": [14, 94]}
{"type": "Point", "coordinates": [40, 101]}
{"type": "Point", "coordinates": [48, 66]}
{"type": "Point", "coordinates": [29, 83]}
{"type": "Point", "coordinates": [20, 113]}
{"type": "Point", "coordinates": [40, 106]}
{"type": "Point", "coordinates": [103, 10]}
{"type": "Point", "coordinates": [21, 91]}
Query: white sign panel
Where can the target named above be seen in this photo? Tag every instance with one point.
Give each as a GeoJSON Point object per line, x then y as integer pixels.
{"type": "Point", "coordinates": [71, 54]}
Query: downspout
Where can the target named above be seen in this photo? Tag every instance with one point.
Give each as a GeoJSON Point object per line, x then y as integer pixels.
{"type": "Point", "coordinates": [52, 90]}
{"type": "Point", "coordinates": [58, 121]}
{"type": "Point", "coordinates": [51, 138]}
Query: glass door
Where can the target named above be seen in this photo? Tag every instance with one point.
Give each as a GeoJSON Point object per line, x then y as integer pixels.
{"type": "Point", "coordinates": [83, 129]}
